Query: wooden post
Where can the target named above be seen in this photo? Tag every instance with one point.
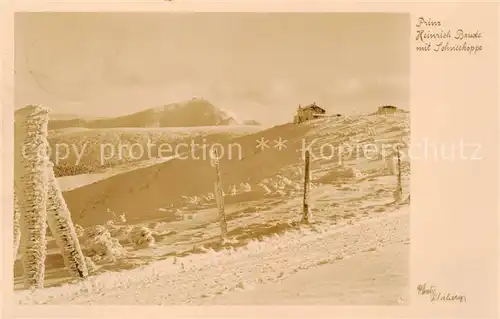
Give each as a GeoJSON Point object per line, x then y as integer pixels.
{"type": "Point", "coordinates": [31, 181]}
{"type": "Point", "coordinates": [399, 186]}
{"type": "Point", "coordinates": [38, 201]}
{"type": "Point", "coordinates": [17, 227]}
{"type": "Point", "coordinates": [63, 230]}
{"type": "Point", "coordinates": [307, 187]}
{"type": "Point", "coordinates": [389, 165]}
{"type": "Point", "coordinates": [219, 196]}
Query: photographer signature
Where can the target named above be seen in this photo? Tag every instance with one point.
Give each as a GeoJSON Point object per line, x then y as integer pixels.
{"type": "Point", "coordinates": [434, 295]}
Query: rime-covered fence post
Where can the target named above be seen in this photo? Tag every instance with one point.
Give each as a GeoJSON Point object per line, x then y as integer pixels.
{"type": "Point", "coordinates": [399, 185]}
{"type": "Point", "coordinates": [30, 179]}
{"type": "Point", "coordinates": [219, 195]}
{"type": "Point", "coordinates": [389, 165]}
{"type": "Point", "coordinates": [17, 227]}
{"type": "Point", "coordinates": [62, 228]}
{"type": "Point", "coordinates": [341, 157]}
{"type": "Point", "coordinates": [307, 187]}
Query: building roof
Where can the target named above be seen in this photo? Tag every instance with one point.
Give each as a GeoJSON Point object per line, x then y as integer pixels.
{"type": "Point", "coordinates": [388, 107]}
{"type": "Point", "coordinates": [315, 108]}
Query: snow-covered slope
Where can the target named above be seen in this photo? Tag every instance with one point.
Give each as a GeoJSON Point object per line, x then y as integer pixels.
{"type": "Point", "coordinates": [142, 192]}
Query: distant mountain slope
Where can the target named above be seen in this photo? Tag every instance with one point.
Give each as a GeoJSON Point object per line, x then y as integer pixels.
{"type": "Point", "coordinates": [196, 112]}
{"type": "Point", "coordinates": [251, 122]}
{"type": "Point", "coordinates": [82, 150]}
{"type": "Point", "coordinates": [64, 116]}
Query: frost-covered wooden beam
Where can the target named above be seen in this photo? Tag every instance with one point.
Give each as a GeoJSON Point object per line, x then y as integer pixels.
{"type": "Point", "coordinates": [62, 228]}
{"type": "Point", "coordinates": [399, 185]}
{"type": "Point", "coordinates": [30, 178]}
{"type": "Point", "coordinates": [219, 194]}
{"type": "Point", "coordinates": [17, 229]}
{"type": "Point", "coordinates": [39, 200]}
{"type": "Point", "coordinates": [306, 217]}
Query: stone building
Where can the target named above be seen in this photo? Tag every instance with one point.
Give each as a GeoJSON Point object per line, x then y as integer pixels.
{"type": "Point", "coordinates": [309, 112]}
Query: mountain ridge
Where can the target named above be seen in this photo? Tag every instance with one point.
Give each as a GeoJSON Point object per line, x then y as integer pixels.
{"type": "Point", "coordinates": [191, 113]}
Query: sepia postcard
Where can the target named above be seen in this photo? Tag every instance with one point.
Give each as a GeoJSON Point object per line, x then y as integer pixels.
{"type": "Point", "coordinates": [250, 159]}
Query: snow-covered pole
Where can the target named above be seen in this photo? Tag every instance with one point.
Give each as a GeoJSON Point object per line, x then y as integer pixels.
{"type": "Point", "coordinates": [62, 228]}
{"type": "Point", "coordinates": [30, 178]}
{"type": "Point", "coordinates": [17, 229]}
{"type": "Point", "coordinates": [399, 184]}
{"type": "Point", "coordinates": [306, 214]}
{"type": "Point", "coordinates": [219, 194]}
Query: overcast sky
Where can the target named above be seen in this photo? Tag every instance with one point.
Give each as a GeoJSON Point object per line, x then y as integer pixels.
{"type": "Point", "coordinates": [256, 65]}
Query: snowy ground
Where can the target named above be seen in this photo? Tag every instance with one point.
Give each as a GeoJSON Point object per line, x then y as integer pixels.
{"type": "Point", "coordinates": [365, 263]}
{"type": "Point", "coordinates": [373, 277]}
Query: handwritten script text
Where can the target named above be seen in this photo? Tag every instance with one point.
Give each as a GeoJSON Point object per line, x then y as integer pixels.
{"type": "Point", "coordinates": [432, 36]}
{"type": "Point", "coordinates": [435, 295]}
